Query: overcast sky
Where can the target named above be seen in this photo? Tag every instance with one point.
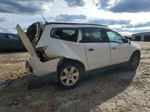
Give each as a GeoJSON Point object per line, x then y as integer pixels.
{"type": "Point", "coordinates": [124, 16]}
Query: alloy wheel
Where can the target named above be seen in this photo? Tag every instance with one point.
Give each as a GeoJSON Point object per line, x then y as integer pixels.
{"type": "Point", "coordinates": [69, 76]}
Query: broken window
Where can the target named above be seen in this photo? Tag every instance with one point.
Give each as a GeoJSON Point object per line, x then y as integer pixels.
{"type": "Point", "coordinates": [65, 34]}
{"type": "Point", "coordinates": [92, 35]}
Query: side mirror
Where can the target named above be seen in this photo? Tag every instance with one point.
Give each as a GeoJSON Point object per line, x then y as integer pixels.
{"type": "Point", "coordinates": [129, 41]}
{"type": "Point", "coordinates": [125, 40]}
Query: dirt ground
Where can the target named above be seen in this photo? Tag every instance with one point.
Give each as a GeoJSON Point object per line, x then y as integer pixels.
{"type": "Point", "coordinates": [115, 90]}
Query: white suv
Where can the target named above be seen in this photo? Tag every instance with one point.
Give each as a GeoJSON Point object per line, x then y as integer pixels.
{"type": "Point", "coordinates": [70, 50]}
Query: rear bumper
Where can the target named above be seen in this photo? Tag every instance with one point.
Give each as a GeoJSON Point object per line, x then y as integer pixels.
{"type": "Point", "coordinates": [42, 79]}
{"type": "Point", "coordinates": [39, 68]}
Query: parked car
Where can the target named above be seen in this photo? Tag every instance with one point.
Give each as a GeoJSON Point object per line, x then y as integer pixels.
{"type": "Point", "coordinates": [10, 43]}
{"type": "Point", "coordinates": [71, 50]}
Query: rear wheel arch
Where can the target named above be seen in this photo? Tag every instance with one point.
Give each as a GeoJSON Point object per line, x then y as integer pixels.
{"type": "Point", "coordinates": [70, 73]}
{"type": "Point", "coordinates": [65, 60]}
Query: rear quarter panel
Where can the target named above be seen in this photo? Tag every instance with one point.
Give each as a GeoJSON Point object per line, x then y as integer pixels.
{"type": "Point", "coordinates": [61, 48]}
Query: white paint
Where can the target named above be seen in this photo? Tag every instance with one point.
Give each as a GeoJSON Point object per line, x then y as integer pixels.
{"type": "Point", "coordinates": [39, 68]}
{"type": "Point", "coordinates": [100, 57]}
{"type": "Point", "coordinates": [42, 68]}
{"type": "Point", "coordinates": [103, 54]}
{"type": "Point", "coordinates": [120, 54]}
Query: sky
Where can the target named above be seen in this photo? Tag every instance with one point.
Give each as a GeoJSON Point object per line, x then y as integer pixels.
{"type": "Point", "coordinates": [125, 16]}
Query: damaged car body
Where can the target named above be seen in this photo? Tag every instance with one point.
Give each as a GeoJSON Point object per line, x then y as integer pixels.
{"type": "Point", "coordinates": [71, 49]}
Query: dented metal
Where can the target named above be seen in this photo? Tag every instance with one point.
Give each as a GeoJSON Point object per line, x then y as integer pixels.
{"type": "Point", "coordinates": [54, 49]}
{"type": "Point", "coordinates": [42, 68]}
{"type": "Point", "coordinates": [47, 52]}
{"type": "Point", "coordinates": [38, 67]}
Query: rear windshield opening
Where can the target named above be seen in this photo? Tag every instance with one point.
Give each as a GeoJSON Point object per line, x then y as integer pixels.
{"type": "Point", "coordinates": [31, 31]}
{"type": "Point", "coordinates": [34, 32]}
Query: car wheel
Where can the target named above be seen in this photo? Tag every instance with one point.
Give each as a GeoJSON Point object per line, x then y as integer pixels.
{"type": "Point", "coordinates": [134, 61]}
{"type": "Point", "coordinates": [69, 74]}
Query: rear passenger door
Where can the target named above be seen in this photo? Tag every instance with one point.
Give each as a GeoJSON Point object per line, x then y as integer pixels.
{"type": "Point", "coordinates": [96, 46]}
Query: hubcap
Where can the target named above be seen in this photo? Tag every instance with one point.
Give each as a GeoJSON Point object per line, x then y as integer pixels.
{"type": "Point", "coordinates": [69, 76]}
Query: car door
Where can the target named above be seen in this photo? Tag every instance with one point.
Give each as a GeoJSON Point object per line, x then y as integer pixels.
{"type": "Point", "coordinates": [119, 47]}
{"type": "Point", "coordinates": [97, 48]}
{"type": "Point", "coordinates": [4, 46]}
{"type": "Point", "coordinates": [13, 42]}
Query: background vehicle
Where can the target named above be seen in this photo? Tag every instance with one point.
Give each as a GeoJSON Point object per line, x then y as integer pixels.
{"type": "Point", "coordinates": [10, 43]}
{"type": "Point", "coordinates": [71, 49]}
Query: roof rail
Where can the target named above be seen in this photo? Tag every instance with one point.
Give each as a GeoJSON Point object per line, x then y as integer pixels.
{"type": "Point", "coordinates": [73, 23]}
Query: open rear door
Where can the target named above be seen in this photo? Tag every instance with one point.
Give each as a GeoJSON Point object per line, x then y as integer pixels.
{"type": "Point", "coordinates": [26, 41]}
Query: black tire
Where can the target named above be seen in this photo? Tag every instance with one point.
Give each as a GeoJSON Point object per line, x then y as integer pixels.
{"type": "Point", "coordinates": [134, 61]}
{"type": "Point", "coordinates": [64, 77]}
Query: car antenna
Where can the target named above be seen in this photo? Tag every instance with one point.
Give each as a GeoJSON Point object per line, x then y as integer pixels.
{"type": "Point", "coordinates": [44, 19]}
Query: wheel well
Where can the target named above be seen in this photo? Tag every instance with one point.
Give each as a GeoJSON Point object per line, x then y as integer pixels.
{"type": "Point", "coordinates": [64, 60]}
{"type": "Point", "coordinates": [137, 52]}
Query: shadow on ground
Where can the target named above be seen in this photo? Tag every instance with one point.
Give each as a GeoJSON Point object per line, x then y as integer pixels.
{"type": "Point", "coordinates": [46, 96]}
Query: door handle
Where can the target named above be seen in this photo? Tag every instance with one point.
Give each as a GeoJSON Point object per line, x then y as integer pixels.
{"type": "Point", "coordinates": [114, 48]}
{"type": "Point", "coordinates": [90, 49]}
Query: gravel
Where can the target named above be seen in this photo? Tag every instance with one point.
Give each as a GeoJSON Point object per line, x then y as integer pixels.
{"type": "Point", "coordinates": [115, 90]}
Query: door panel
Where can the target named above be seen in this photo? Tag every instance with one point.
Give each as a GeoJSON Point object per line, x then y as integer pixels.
{"type": "Point", "coordinates": [14, 45]}
{"type": "Point", "coordinates": [119, 47]}
{"type": "Point", "coordinates": [4, 46]}
{"type": "Point", "coordinates": [119, 52]}
{"type": "Point", "coordinates": [97, 49]}
{"type": "Point", "coordinates": [99, 56]}
{"type": "Point", "coordinates": [14, 42]}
